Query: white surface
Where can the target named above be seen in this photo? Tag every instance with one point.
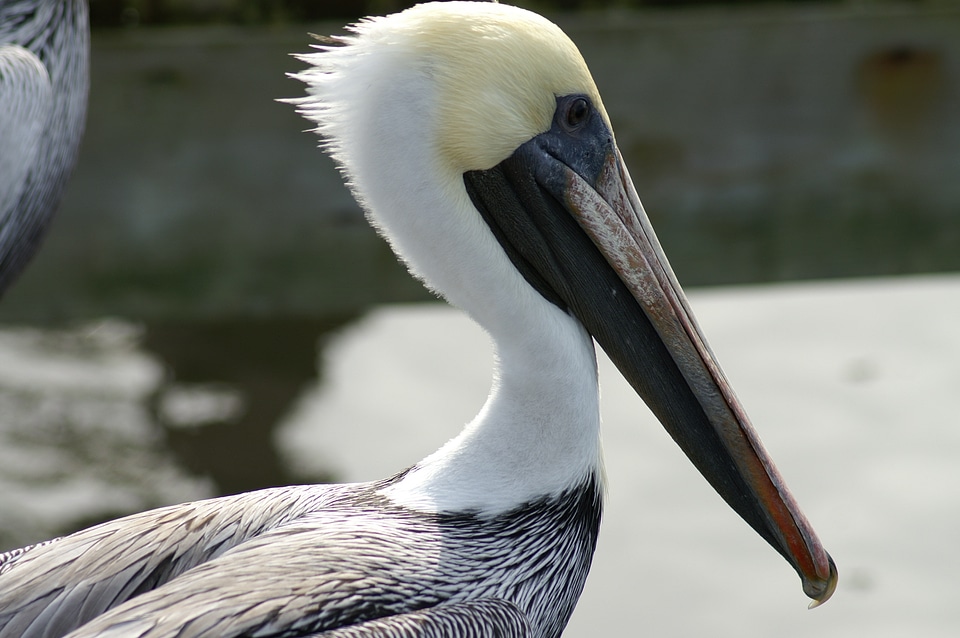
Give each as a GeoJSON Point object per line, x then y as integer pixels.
{"type": "Point", "coordinates": [854, 387]}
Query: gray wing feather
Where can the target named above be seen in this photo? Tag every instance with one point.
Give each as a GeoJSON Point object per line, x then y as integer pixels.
{"type": "Point", "coordinates": [482, 618]}
{"type": "Point", "coordinates": [35, 166]}
{"type": "Point", "coordinates": [330, 568]}
{"type": "Point", "coordinates": [300, 562]}
{"type": "Point", "coordinates": [26, 101]}
{"type": "Point", "coordinates": [52, 588]}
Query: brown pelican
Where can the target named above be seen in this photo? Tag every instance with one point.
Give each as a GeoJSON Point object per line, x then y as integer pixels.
{"type": "Point", "coordinates": [44, 76]}
{"type": "Point", "coordinates": [474, 137]}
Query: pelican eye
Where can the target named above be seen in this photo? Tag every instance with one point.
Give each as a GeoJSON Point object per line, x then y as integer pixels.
{"type": "Point", "coordinates": [576, 113]}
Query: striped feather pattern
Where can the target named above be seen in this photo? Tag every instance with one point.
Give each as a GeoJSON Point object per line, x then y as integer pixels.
{"type": "Point", "coordinates": [57, 34]}
{"type": "Point", "coordinates": [483, 618]}
{"type": "Point", "coordinates": [303, 560]}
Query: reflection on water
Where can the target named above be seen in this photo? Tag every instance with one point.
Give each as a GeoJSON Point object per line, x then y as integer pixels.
{"type": "Point", "coordinates": [230, 383]}
{"type": "Point", "coordinates": [851, 385]}
{"type": "Point", "coordinates": [77, 443]}
{"type": "Point", "coordinates": [111, 418]}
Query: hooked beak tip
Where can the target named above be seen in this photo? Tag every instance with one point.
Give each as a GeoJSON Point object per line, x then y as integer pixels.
{"type": "Point", "coordinates": [823, 591]}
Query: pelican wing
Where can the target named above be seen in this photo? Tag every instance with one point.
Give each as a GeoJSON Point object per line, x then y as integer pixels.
{"type": "Point", "coordinates": [353, 563]}
{"type": "Point", "coordinates": [44, 77]}
{"type": "Point", "coordinates": [54, 587]}
{"type": "Point", "coordinates": [470, 619]}
{"type": "Point", "coordinates": [227, 616]}
{"type": "Point", "coordinates": [335, 567]}
{"type": "Point", "coordinates": [26, 101]}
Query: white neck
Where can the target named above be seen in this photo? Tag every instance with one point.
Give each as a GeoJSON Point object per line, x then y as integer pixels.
{"type": "Point", "coordinates": [538, 432]}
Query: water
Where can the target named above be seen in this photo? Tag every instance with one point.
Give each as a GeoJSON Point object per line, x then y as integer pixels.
{"type": "Point", "coordinates": [852, 386]}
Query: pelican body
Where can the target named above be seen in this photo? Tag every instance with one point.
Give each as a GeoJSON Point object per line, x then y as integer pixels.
{"type": "Point", "coordinates": [476, 141]}
{"type": "Point", "coordinates": [44, 79]}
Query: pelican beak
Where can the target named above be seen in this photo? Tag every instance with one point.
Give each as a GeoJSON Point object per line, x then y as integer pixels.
{"type": "Point", "coordinates": [567, 214]}
{"type": "Point", "coordinates": [717, 436]}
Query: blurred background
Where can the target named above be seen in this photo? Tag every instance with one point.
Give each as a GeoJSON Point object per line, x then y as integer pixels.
{"type": "Point", "coordinates": [209, 288]}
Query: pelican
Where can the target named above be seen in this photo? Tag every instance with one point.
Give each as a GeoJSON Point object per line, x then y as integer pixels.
{"type": "Point", "coordinates": [476, 141]}
{"type": "Point", "coordinates": [44, 78]}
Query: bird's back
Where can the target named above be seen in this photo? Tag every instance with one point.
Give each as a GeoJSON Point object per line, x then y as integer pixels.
{"type": "Point", "coordinates": [53, 587]}
{"type": "Point", "coordinates": [303, 559]}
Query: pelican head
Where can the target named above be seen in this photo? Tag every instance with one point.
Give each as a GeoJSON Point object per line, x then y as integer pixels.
{"type": "Point", "coordinates": [475, 139]}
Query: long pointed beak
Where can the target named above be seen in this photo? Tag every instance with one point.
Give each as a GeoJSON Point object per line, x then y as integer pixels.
{"type": "Point", "coordinates": [564, 209]}
{"type": "Point", "coordinates": [722, 443]}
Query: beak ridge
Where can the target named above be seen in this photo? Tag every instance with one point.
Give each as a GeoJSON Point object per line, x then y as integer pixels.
{"type": "Point", "coordinates": [613, 217]}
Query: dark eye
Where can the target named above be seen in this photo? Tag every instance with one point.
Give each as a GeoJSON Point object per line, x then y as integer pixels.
{"type": "Point", "coordinates": [578, 110]}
